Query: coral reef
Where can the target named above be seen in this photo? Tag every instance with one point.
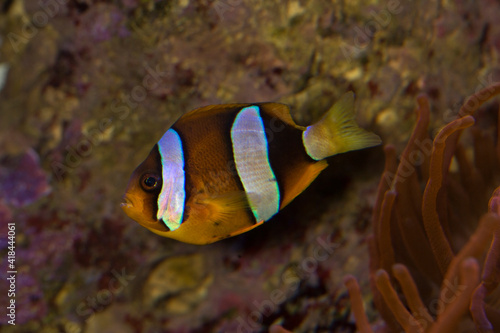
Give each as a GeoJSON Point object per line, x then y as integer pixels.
{"type": "Point", "coordinates": [88, 86]}
{"type": "Point", "coordinates": [22, 181]}
{"type": "Point", "coordinates": [435, 253]}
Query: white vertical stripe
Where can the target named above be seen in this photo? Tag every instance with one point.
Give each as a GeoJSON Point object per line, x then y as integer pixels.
{"type": "Point", "coordinates": [252, 163]}
{"type": "Point", "coordinates": [172, 195]}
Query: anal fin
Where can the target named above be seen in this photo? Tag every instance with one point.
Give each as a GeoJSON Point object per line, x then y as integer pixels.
{"type": "Point", "coordinates": [302, 181]}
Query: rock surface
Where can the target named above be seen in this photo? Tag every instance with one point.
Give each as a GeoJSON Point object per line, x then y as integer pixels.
{"type": "Point", "coordinates": [92, 85]}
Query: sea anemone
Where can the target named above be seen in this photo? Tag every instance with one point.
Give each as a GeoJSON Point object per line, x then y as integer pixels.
{"type": "Point", "coordinates": [435, 254]}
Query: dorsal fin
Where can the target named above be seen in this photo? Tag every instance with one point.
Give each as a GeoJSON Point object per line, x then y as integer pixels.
{"type": "Point", "coordinates": [213, 109]}
{"type": "Point", "coordinates": [280, 111]}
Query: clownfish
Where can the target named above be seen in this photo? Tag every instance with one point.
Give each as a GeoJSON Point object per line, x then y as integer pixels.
{"type": "Point", "coordinates": [222, 170]}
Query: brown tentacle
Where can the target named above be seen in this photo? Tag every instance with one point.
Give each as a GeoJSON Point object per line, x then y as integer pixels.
{"type": "Point", "coordinates": [440, 245]}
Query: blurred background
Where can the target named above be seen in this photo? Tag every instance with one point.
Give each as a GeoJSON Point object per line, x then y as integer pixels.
{"type": "Point", "coordinates": [88, 86]}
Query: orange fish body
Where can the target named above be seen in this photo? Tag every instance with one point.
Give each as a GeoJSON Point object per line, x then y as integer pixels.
{"type": "Point", "coordinates": [222, 170]}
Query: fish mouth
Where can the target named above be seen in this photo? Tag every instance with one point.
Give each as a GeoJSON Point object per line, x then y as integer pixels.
{"type": "Point", "coordinates": [127, 203]}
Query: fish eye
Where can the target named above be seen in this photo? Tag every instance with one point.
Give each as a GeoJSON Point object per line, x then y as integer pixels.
{"type": "Point", "coordinates": [150, 182]}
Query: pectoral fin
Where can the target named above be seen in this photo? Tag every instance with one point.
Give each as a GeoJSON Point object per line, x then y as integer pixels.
{"type": "Point", "coordinates": [219, 209]}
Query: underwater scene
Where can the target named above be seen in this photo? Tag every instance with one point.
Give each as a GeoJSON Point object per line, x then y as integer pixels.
{"type": "Point", "coordinates": [243, 166]}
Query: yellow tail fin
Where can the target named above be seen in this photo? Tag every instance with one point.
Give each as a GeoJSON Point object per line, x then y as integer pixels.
{"type": "Point", "coordinates": [337, 132]}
